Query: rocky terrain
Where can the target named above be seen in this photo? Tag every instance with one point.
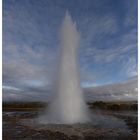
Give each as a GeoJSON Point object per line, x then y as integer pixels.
{"type": "Point", "coordinates": [107, 125]}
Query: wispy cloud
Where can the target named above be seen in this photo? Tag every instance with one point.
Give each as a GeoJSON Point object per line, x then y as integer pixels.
{"type": "Point", "coordinates": [130, 67]}
{"type": "Point", "coordinates": [126, 90]}
{"type": "Point", "coordinates": [24, 66]}
{"type": "Point", "coordinates": [119, 51]}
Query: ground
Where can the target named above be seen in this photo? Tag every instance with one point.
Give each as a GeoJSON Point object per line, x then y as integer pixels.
{"type": "Point", "coordinates": [20, 123]}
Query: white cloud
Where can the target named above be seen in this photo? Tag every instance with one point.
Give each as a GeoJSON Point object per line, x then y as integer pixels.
{"type": "Point", "coordinates": [119, 91]}
{"type": "Point", "coordinates": [130, 67]}
{"type": "Point", "coordinates": [126, 43]}
{"type": "Point", "coordinates": [10, 88]}
{"type": "Point", "coordinates": [98, 26]}
{"type": "Point", "coordinates": [23, 64]}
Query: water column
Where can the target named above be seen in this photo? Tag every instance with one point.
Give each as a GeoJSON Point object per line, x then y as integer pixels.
{"type": "Point", "coordinates": [69, 106]}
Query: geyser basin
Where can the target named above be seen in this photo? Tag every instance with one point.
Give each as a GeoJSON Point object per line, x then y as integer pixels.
{"type": "Point", "coordinates": [22, 125]}
{"type": "Point", "coordinates": [69, 106]}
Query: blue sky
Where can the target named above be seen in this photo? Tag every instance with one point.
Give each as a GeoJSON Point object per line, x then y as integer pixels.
{"type": "Point", "coordinates": [108, 44]}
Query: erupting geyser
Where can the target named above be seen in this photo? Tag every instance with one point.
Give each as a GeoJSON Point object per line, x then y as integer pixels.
{"type": "Point", "coordinates": [69, 106]}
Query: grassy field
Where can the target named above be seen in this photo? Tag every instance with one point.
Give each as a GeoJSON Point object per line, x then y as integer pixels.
{"type": "Point", "coordinates": [21, 106]}
{"type": "Point", "coordinates": [121, 105]}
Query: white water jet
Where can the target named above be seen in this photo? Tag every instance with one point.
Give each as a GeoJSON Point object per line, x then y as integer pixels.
{"type": "Point", "coordinates": [69, 106]}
